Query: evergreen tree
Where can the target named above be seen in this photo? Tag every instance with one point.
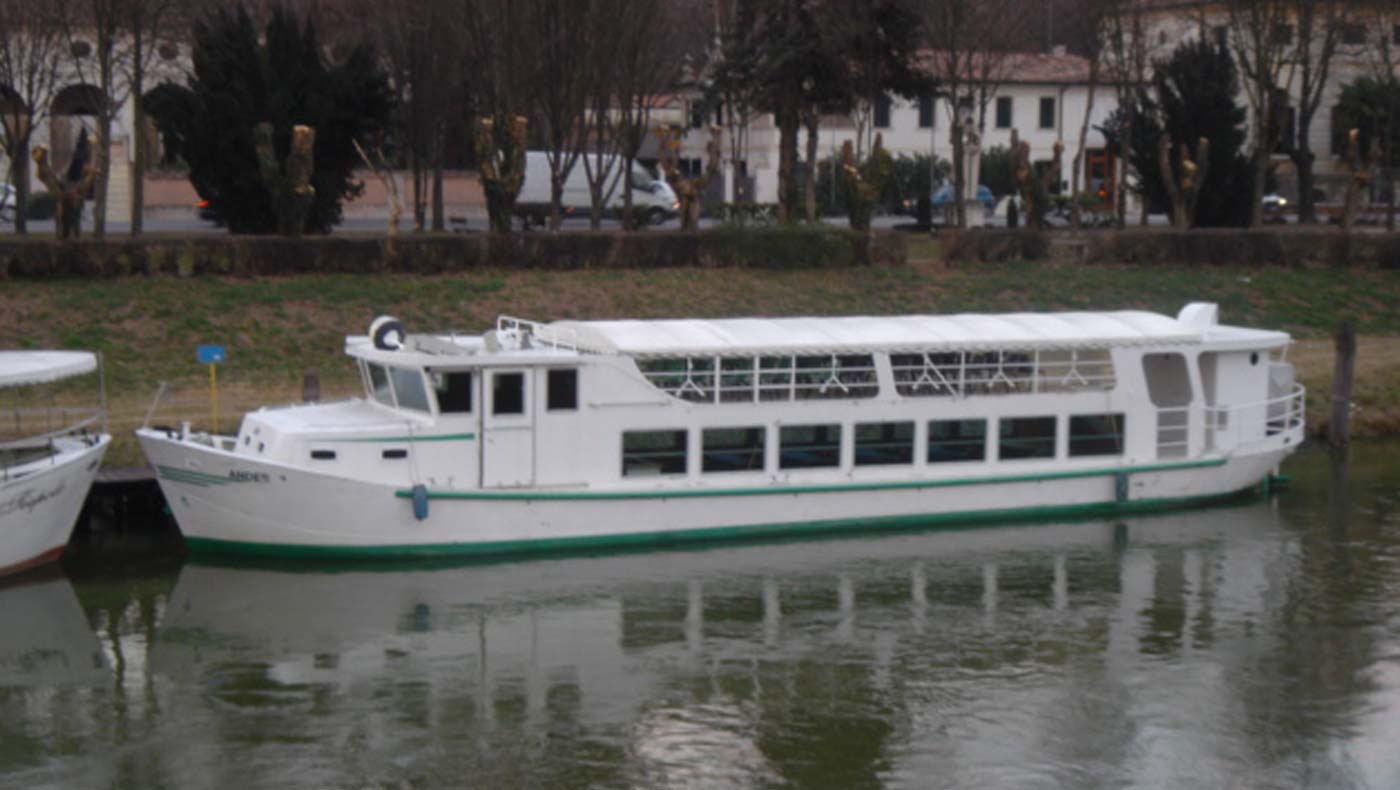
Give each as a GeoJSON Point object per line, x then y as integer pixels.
{"type": "Point", "coordinates": [285, 80]}
{"type": "Point", "coordinates": [1371, 106]}
{"type": "Point", "coordinates": [1193, 96]}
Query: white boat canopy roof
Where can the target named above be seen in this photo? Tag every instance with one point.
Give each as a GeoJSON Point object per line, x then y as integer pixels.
{"type": "Point", "coordinates": [914, 333]}
{"type": "Point", "coordinates": [37, 367]}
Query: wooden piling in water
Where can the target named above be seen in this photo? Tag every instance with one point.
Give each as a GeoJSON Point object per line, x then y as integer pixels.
{"type": "Point", "coordinates": [310, 387]}
{"type": "Point", "coordinates": [1339, 430]}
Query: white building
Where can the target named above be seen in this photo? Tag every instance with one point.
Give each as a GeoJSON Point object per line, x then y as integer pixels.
{"type": "Point", "coordinates": [1043, 97]}
{"type": "Point", "coordinates": [1366, 32]}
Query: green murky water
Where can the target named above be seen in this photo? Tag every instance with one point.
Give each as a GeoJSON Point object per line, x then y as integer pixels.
{"type": "Point", "coordinates": [1253, 646]}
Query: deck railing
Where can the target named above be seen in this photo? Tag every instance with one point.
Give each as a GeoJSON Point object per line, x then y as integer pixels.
{"type": "Point", "coordinates": [27, 435]}
{"type": "Point", "coordinates": [533, 333]}
{"type": "Point", "coordinates": [1232, 427]}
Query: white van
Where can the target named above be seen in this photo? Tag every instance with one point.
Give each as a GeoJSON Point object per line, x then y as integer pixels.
{"type": "Point", "coordinates": [650, 195]}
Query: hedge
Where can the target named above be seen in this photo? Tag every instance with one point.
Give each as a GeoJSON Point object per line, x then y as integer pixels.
{"type": "Point", "coordinates": [115, 256]}
{"type": "Point", "coordinates": [1205, 246]}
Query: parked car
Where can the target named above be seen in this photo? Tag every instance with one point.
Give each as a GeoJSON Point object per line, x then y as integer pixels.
{"type": "Point", "coordinates": [944, 195]}
{"type": "Point", "coordinates": [7, 203]}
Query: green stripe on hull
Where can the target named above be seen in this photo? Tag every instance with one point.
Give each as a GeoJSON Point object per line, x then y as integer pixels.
{"type": "Point", "coordinates": [446, 437]}
{"type": "Point", "coordinates": [822, 489]}
{"type": "Point", "coordinates": [714, 534]}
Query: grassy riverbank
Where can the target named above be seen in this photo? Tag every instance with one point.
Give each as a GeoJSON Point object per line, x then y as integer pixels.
{"type": "Point", "coordinates": [276, 328]}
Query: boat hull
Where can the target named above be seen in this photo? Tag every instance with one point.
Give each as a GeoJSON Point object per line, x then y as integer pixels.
{"type": "Point", "coordinates": [38, 510]}
{"type": "Point", "coordinates": [226, 503]}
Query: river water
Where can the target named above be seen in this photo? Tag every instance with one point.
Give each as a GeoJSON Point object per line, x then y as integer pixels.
{"type": "Point", "coordinates": [1249, 646]}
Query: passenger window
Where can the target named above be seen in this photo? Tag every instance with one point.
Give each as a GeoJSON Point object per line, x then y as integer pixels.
{"type": "Point", "coordinates": [454, 392]}
{"type": "Point", "coordinates": [1096, 434]}
{"type": "Point", "coordinates": [950, 441]}
{"type": "Point", "coordinates": [379, 385]}
{"type": "Point", "coordinates": [808, 446]}
{"type": "Point", "coordinates": [652, 453]}
{"type": "Point", "coordinates": [508, 393]}
{"type": "Point", "coordinates": [563, 390]}
{"type": "Point", "coordinates": [409, 389]}
{"type": "Point", "coordinates": [732, 450]}
{"type": "Point", "coordinates": [1027, 437]}
{"type": "Point", "coordinates": [884, 443]}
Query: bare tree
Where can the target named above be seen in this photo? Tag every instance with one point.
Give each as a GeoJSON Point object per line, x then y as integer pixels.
{"type": "Point", "coordinates": [1320, 24]}
{"type": "Point", "coordinates": [30, 50]}
{"type": "Point", "coordinates": [558, 77]}
{"type": "Point", "coordinates": [114, 46]}
{"type": "Point", "coordinates": [599, 159]}
{"type": "Point", "coordinates": [969, 58]}
{"type": "Point", "coordinates": [421, 45]}
{"type": "Point", "coordinates": [646, 67]}
{"type": "Point", "coordinates": [1127, 52]}
{"type": "Point", "coordinates": [1089, 25]}
{"type": "Point", "coordinates": [1260, 35]}
{"type": "Point", "coordinates": [496, 61]}
{"type": "Point", "coordinates": [1381, 57]}
{"type": "Point", "coordinates": [734, 87]}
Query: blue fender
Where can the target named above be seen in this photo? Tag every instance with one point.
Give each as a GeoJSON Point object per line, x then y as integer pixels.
{"type": "Point", "coordinates": [420, 502]}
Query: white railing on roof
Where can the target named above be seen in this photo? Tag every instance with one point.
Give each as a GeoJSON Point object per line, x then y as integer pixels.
{"type": "Point", "coordinates": [529, 334]}
{"type": "Point", "coordinates": [763, 378]}
{"type": "Point", "coordinates": [959, 374]}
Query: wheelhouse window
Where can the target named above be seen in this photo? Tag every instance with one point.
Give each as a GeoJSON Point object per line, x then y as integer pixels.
{"type": "Point", "coordinates": [409, 390]}
{"type": "Point", "coordinates": [1096, 434]}
{"type": "Point", "coordinates": [809, 446]}
{"type": "Point", "coordinates": [508, 393]}
{"type": "Point", "coordinates": [563, 390]}
{"type": "Point", "coordinates": [884, 443]}
{"type": "Point", "coordinates": [950, 441]}
{"type": "Point", "coordinates": [454, 391]}
{"type": "Point", "coordinates": [732, 450]}
{"type": "Point", "coordinates": [379, 387]}
{"type": "Point", "coordinates": [1027, 437]}
{"type": "Point", "coordinates": [653, 453]}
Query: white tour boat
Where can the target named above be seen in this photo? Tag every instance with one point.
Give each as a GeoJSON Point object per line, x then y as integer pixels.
{"type": "Point", "coordinates": [585, 433]}
{"type": "Point", "coordinates": [49, 456]}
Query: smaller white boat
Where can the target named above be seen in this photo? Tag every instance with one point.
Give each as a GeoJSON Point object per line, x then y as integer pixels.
{"type": "Point", "coordinates": [49, 455]}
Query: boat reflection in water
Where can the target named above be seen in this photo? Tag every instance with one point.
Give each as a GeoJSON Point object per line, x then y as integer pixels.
{"type": "Point", "coordinates": [45, 639]}
{"type": "Point", "coordinates": [1126, 653]}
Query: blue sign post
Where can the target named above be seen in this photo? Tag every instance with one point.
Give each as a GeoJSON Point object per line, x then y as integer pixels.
{"type": "Point", "coordinates": [211, 356]}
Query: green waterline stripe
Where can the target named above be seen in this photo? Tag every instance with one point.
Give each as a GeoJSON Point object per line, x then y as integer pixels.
{"type": "Point", "coordinates": [191, 476]}
{"type": "Point", "coordinates": [446, 437]}
{"type": "Point", "coordinates": [822, 489]}
{"type": "Point", "coordinates": [1036, 514]}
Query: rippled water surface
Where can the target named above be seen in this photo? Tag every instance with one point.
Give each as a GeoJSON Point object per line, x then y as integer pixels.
{"type": "Point", "coordinates": [1251, 646]}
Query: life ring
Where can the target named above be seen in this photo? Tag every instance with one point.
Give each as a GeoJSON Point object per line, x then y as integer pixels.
{"type": "Point", "coordinates": [387, 333]}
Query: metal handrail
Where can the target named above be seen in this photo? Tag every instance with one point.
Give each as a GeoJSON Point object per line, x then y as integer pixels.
{"type": "Point", "coordinates": [556, 338]}
{"type": "Point", "coordinates": [44, 437]}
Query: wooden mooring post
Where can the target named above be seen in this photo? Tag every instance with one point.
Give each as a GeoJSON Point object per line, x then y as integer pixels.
{"type": "Point", "coordinates": [1339, 431]}
{"type": "Point", "coordinates": [310, 387]}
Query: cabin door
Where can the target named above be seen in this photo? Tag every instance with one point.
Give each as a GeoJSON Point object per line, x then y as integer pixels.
{"type": "Point", "coordinates": [508, 430]}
